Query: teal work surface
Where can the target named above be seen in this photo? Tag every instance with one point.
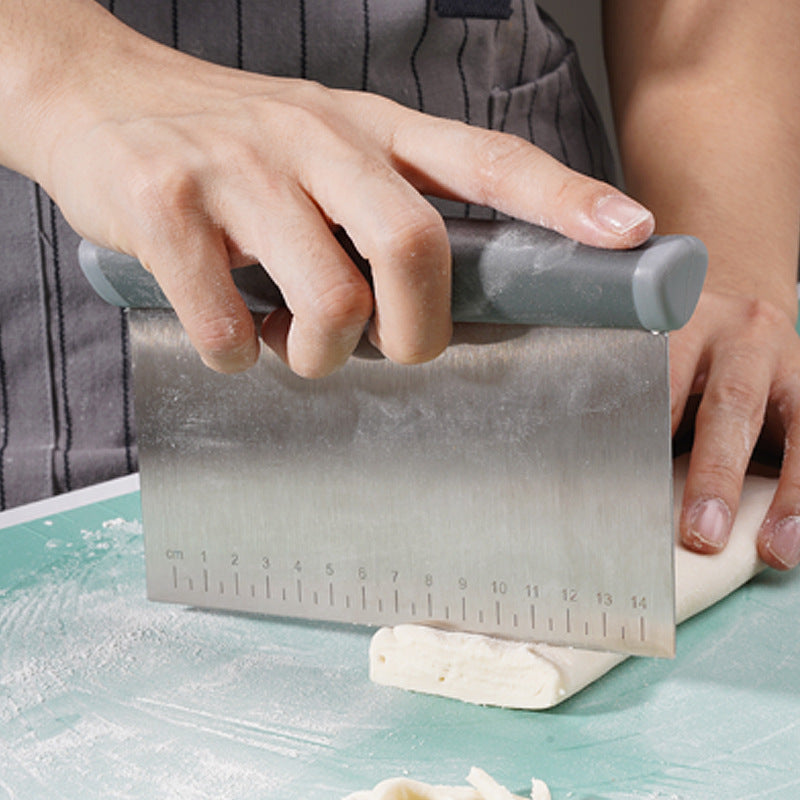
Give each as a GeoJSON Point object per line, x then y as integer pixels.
{"type": "Point", "coordinates": [104, 694]}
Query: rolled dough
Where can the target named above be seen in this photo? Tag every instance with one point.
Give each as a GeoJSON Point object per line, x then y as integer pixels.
{"type": "Point", "coordinates": [483, 788]}
{"type": "Point", "coordinates": [497, 672]}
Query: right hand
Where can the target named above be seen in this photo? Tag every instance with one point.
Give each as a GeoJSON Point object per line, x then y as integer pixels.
{"type": "Point", "coordinates": [195, 168]}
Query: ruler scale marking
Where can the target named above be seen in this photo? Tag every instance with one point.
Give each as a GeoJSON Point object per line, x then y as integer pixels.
{"type": "Point", "coordinates": [496, 618]}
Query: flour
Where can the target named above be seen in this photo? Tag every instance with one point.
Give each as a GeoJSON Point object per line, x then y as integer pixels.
{"type": "Point", "coordinates": [103, 693]}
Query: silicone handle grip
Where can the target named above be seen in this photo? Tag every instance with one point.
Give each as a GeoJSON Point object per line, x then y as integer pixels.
{"type": "Point", "coordinates": [506, 271]}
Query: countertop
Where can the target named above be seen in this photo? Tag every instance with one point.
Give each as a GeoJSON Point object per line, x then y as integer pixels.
{"type": "Point", "coordinates": [105, 694]}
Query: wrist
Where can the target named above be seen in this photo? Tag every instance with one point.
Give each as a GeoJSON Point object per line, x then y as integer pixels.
{"type": "Point", "coordinates": [55, 54]}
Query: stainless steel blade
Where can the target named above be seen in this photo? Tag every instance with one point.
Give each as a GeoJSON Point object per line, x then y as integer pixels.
{"type": "Point", "coordinates": [520, 485]}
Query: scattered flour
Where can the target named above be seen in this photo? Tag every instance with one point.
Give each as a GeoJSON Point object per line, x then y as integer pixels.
{"type": "Point", "coordinates": [103, 693]}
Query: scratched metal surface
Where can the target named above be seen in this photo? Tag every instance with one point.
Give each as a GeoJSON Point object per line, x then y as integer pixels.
{"type": "Point", "coordinates": [103, 694]}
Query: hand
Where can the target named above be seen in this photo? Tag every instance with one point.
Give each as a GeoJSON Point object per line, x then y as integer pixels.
{"type": "Point", "coordinates": [743, 357]}
{"type": "Point", "coordinates": [707, 166]}
{"type": "Point", "coordinates": [194, 169]}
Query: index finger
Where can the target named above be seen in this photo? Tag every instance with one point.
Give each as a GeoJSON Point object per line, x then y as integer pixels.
{"type": "Point", "coordinates": [450, 159]}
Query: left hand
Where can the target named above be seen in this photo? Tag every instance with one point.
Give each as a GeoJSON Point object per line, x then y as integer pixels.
{"type": "Point", "coordinates": [743, 356]}
{"type": "Point", "coordinates": [729, 173]}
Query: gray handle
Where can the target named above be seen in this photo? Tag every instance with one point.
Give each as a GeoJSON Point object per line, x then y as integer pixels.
{"type": "Point", "coordinates": [506, 271]}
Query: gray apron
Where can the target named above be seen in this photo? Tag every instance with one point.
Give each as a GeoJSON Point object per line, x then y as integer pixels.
{"type": "Point", "coordinates": [65, 388]}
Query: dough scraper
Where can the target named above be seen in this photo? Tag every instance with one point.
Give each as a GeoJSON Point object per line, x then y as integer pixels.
{"type": "Point", "coordinates": [520, 485]}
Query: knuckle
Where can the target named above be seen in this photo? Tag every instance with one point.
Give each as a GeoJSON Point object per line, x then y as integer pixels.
{"type": "Point", "coordinates": [762, 315]}
{"type": "Point", "coordinates": [342, 306]}
{"type": "Point", "coordinates": [574, 186]}
{"type": "Point", "coordinates": [790, 489]}
{"type": "Point", "coordinates": [737, 397]}
{"type": "Point", "coordinates": [786, 391]}
{"type": "Point", "coordinates": [721, 477]}
{"type": "Point", "coordinates": [739, 391]}
{"type": "Point", "coordinates": [737, 416]}
{"type": "Point", "coordinates": [239, 154]}
{"type": "Point", "coordinates": [418, 236]}
{"type": "Point", "coordinates": [223, 337]}
{"type": "Point", "coordinates": [497, 158]}
{"type": "Point", "coordinates": [163, 192]}
{"type": "Point", "coordinates": [305, 117]}
{"type": "Point", "coordinates": [298, 118]}
{"type": "Point", "coordinates": [293, 91]}
{"type": "Point", "coordinates": [312, 94]}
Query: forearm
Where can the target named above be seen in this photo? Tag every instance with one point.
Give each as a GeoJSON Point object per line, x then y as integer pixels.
{"type": "Point", "coordinates": [707, 109]}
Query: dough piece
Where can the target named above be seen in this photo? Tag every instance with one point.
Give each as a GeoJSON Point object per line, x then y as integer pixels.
{"type": "Point", "coordinates": [497, 672]}
{"type": "Point", "coordinates": [484, 788]}
{"type": "Point", "coordinates": [489, 789]}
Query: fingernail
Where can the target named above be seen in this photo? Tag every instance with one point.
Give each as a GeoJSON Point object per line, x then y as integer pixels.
{"type": "Point", "coordinates": [619, 214]}
{"type": "Point", "coordinates": [709, 525]}
{"type": "Point", "coordinates": [785, 542]}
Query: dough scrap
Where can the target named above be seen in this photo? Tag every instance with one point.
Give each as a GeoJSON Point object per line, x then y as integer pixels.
{"type": "Point", "coordinates": [483, 788]}
{"type": "Point", "coordinates": [496, 672]}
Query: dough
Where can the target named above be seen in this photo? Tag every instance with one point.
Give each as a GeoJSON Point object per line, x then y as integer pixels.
{"type": "Point", "coordinates": [497, 672]}
{"type": "Point", "coordinates": [484, 788]}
